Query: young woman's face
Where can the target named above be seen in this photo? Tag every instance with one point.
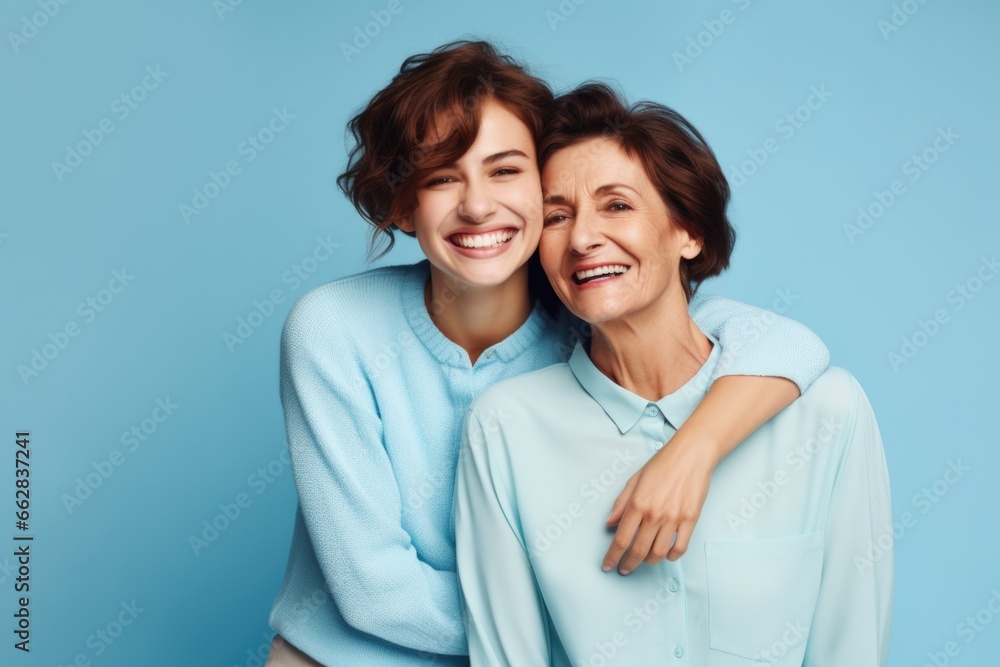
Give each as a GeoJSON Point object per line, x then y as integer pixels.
{"type": "Point", "coordinates": [609, 246]}
{"type": "Point", "coordinates": [479, 220]}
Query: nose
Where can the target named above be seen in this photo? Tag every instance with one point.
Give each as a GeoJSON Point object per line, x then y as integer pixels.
{"type": "Point", "coordinates": [585, 235]}
{"type": "Point", "coordinates": [477, 203]}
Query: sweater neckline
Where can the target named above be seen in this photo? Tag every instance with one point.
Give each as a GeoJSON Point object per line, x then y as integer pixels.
{"type": "Point", "coordinates": [451, 353]}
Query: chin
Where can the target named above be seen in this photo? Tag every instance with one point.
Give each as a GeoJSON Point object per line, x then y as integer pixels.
{"type": "Point", "coordinates": [483, 276]}
{"type": "Point", "coordinates": [597, 310]}
{"type": "Point", "coordinates": [593, 314]}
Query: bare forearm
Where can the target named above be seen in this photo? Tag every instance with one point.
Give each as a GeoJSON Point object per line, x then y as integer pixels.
{"type": "Point", "coordinates": [734, 407]}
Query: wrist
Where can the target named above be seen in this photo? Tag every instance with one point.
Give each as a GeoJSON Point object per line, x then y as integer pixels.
{"type": "Point", "coordinates": [703, 447]}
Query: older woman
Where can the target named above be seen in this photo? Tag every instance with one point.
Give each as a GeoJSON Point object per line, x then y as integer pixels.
{"type": "Point", "coordinates": [779, 568]}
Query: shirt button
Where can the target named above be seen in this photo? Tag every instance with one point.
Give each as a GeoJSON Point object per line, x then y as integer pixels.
{"type": "Point", "coordinates": [678, 652]}
{"type": "Point", "coordinates": [652, 410]}
{"type": "Point", "coordinates": [672, 587]}
{"type": "Point", "coordinates": [657, 445]}
{"type": "Point", "coordinates": [489, 354]}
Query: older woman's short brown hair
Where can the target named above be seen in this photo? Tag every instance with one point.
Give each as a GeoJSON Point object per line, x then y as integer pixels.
{"type": "Point", "coordinates": [391, 153]}
{"type": "Point", "coordinates": [674, 155]}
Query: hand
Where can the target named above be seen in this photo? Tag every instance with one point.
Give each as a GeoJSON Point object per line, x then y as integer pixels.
{"type": "Point", "coordinates": [663, 498]}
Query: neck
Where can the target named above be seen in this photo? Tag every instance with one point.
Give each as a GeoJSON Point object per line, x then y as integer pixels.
{"type": "Point", "coordinates": [653, 352]}
{"type": "Point", "coordinates": [477, 317]}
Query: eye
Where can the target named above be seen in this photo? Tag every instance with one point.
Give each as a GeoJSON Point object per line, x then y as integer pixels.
{"type": "Point", "coordinates": [440, 180]}
{"type": "Point", "coordinates": [619, 206]}
{"type": "Point", "coordinates": [506, 171]}
{"type": "Point", "coordinates": [555, 218]}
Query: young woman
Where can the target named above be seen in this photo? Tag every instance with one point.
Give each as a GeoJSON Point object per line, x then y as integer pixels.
{"type": "Point", "coordinates": [378, 369]}
{"type": "Point", "coordinates": [772, 572]}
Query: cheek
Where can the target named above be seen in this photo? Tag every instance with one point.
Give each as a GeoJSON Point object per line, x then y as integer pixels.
{"type": "Point", "coordinates": [527, 202]}
{"type": "Point", "coordinates": [653, 244]}
{"type": "Point", "coordinates": [551, 247]}
{"type": "Point", "coordinates": [431, 209]}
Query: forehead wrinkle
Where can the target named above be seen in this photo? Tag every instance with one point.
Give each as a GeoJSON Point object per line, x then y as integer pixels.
{"type": "Point", "coordinates": [554, 195]}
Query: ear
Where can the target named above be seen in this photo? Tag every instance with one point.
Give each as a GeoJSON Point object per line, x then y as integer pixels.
{"type": "Point", "coordinates": [691, 248]}
{"type": "Point", "coordinates": [405, 224]}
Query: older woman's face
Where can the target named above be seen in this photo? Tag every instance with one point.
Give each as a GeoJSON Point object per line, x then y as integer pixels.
{"type": "Point", "coordinates": [608, 243]}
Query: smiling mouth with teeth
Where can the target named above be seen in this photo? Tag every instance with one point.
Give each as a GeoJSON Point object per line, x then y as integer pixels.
{"type": "Point", "coordinates": [581, 277]}
{"type": "Point", "coordinates": [488, 240]}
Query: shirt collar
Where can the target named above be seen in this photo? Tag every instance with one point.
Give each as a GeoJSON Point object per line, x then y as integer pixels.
{"type": "Point", "coordinates": [625, 408]}
{"type": "Point", "coordinates": [450, 353]}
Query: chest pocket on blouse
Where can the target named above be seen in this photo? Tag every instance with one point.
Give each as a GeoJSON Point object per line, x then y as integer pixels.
{"type": "Point", "coordinates": [761, 597]}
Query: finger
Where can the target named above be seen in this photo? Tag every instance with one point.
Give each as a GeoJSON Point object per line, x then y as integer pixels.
{"type": "Point", "coordinates": [683, 538]}
{"type": "Point", "coordinates": [661, 545]}
{"type": "Point", "coordinates": [622, 540]}
{"type": "Point", "coordinates": [622, 501]}
{"type": "Point", "coordinates": [640, 547]}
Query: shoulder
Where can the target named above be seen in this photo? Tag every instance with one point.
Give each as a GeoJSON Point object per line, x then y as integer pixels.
{"type": "Point", "coordinates": [360, 302]}
{"type": "Point", "coordinates": [835, 390]}
{"type": "Point", "coordinates": [837, 400]}
{"type": "Point", "coordinates": [342, 324]}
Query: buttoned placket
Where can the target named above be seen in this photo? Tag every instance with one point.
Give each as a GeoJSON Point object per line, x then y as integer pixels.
{"type": "Point", "coordinates": [665, 607]}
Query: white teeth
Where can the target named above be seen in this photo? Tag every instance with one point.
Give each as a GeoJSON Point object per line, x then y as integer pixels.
{"type": "Point", "coordinates": [601, 270]}
{"type": "Point", "coordinates": [483, 240]}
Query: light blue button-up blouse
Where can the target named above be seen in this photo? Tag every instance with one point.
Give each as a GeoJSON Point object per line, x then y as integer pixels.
{"type": "Point", "coordinates": [789, 564]}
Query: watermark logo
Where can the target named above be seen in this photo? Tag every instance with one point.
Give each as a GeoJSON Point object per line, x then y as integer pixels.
{"type": "Point", "coordinates": [958, 297]}
{"type": "Point", "coordinates": [363, 35]}
{"type": "Point", "coordinates": [698, 43]}
{"type": "Point", "coordinates": [915, 167]}
{"type": "Point", "coordinates": [122, 106]}
{"type": "Point", "coordinates": [30, 25]}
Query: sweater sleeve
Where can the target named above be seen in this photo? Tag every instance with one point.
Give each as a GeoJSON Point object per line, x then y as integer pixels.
{"type": "Point", "coordinates": [760, 342]}
{"type": "Point", "coordinates": [349, 496]}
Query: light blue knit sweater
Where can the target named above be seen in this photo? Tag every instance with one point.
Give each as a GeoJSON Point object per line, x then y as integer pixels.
{"type": "Point", "coordinates": [374, 396]}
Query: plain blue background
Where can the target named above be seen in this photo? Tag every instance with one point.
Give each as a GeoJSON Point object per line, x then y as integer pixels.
{"type": "Point", "coordinates": [162, 337]}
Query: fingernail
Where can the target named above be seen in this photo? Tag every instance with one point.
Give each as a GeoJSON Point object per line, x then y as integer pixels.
{"type": "Point", "coordinates": [606, 568]}
{"type": "Point", "coordinates": [624, 571]}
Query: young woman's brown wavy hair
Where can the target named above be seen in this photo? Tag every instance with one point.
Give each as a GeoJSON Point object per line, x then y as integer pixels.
{"type": "Point", "coordinates": [392, 132]}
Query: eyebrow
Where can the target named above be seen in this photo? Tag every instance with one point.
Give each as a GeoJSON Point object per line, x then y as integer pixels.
{"type": "Point", "coordinates": [603, 190]}
{"type": "Point", "coordinates": [496, 157]}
